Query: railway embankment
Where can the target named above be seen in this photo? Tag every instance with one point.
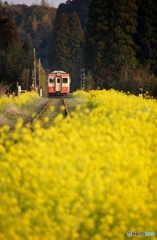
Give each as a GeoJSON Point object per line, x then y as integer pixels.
{"type": "Point", "coordinates": [28, 112]}
{"type": "Point", "coordinates": [10, 113]}
{"type": "Point", "coordinates": [63, 106]}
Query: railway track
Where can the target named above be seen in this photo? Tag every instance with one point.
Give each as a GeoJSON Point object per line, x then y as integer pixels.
{"type": "Point", "coordinates": [53, 107]}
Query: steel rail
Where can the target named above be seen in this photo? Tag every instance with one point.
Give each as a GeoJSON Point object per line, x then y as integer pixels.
{"type": "Point", "coordinates": [66, 112]}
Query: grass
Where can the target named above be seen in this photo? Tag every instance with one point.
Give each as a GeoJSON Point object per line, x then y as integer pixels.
{"type": "Point", "coordinates": [11, 113]}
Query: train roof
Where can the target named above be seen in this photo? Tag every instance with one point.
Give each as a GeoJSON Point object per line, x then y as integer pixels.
{"type": "Point", "coordinates": [58, 72]}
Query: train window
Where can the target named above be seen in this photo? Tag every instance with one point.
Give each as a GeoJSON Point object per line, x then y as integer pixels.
{"type": "Point", "coordinates": [65, 80]}
{"type": "Point", "coordinates": [58, 80]}
{"type": "Point", "coordinates": [51, 80]}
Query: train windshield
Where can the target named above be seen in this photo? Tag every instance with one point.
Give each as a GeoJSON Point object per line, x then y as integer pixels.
{"type": "Point", "coordinates": [65, 80]}
{"type": "Point", "coordinates": [51, 80]}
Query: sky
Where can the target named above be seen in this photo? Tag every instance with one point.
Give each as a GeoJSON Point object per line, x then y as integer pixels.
{"type": "Point", "coordinates": [54, 3]}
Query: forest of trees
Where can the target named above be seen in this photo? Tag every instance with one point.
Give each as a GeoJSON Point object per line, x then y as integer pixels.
{"type": "Point", "coordinates": [67, 47]}
{"type": "Point", "coordinates": [115, 42]}
{"type": "Point", "coordinates": [24, 29]}
{"type": "Point", "coordinates": [121, 44]}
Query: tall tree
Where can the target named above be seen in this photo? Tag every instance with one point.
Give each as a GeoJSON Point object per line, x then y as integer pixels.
{"type": "Point", "coordinates": [96, 28]}
{"type": "Point", "coordinates": [124, 29]}
{"type": "Point", "coordinates": [76, 41]}
{"type": "Point", "coordinates": [59, 55]}
{"type": "Point", "coordinates": [8, 32]}
{"type": "Point", "coordinates": [9, 42]}
{"type": "Point", "coordinates": [44, 3]}
{"type": "Point", "coordinates": [76, 36]}
{"type": "Point", "coordinates": [79, 6]}
{"type": "Point", "coordinates": [146, 36]}
{"type": "Point", "coordinates": [109, 38]}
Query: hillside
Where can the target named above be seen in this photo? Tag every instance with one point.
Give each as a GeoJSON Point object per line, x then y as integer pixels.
{"type": "Point", "coordinates": [35, 25]}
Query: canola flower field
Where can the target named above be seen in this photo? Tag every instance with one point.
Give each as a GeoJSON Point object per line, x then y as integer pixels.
{"type": "Point", "coordinates": [21, 101]}
{"type": "Point", "coordinates": [92, 177]}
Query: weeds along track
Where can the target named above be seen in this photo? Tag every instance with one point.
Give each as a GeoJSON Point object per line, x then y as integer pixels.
{"type": "Point", "coordinates": [50, 111]}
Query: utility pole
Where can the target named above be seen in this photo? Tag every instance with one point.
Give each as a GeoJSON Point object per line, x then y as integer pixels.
{"type": "Point", "coordinates": [27, 79]}
{"type": "Point", "coordinates": [39, 76]}
{"type": "Point", "coordinates": [40, 89]}
{"type": "Point", "coordinates": [34, 72]}
{"type": "Point", "coordinates": [83, 77]}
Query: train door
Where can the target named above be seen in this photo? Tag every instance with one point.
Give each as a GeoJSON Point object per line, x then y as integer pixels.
{"type": "Point", "coordinates": [58, 84]}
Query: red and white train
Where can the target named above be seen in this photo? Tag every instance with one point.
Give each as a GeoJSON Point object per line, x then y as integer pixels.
{"type": "Point", "coordinates": [58, 83]}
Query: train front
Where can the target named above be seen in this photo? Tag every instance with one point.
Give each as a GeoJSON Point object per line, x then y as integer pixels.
{"type": "Point", "coordinates": [58, 83]}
